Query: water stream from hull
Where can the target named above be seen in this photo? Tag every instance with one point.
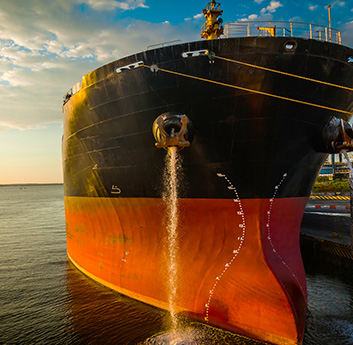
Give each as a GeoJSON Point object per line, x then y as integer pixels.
{"type": "Point", "coordinates": [170, 196]}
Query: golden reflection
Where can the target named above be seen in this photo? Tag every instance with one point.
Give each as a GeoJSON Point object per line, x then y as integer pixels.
{"type": "Point", "coordinates": [98, 315]}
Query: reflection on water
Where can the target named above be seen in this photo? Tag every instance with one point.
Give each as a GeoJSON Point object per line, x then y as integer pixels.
{"type": "Point", "coordinates": [330, 304]}
{"type": "Point", "coordinates": [45, 300]}
{"type": "Point", "coordinates": [196, 334]}
{"type": "Point", "coordinates": [98, 315]}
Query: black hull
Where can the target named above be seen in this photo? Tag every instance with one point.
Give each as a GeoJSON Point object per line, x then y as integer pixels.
{"type": "Point", "coordinates": [253, 138]}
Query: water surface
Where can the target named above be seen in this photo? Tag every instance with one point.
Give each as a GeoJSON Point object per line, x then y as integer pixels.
{"type": "Point", "coordinates": [45, 300]}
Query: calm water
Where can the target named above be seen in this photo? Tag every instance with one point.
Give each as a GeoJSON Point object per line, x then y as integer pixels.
{"type": "Point", "coordinates": [45, 300]}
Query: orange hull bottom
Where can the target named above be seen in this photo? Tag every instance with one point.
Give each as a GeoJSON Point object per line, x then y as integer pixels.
{"type": "Point", "coordinates": [239, 264]}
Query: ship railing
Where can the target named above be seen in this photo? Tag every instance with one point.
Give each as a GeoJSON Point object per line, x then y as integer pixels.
{"type": "Point", "coordinates": [163, 44]}
{"type": "Point", "coordinates": [72, 91]}
{"type": "Point", "coordinates": [282, 28]}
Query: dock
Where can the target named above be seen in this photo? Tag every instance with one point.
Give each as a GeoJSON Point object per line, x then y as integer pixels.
{"type": "Point", "coordinates": [325, 233]}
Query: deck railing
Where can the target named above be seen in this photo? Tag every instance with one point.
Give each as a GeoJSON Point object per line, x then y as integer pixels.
{"type": "Point", "coordinates": [163, 44]}
{"type": "Point", "coordinates": [281, 28]}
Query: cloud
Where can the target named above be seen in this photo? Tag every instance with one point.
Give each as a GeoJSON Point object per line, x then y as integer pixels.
{"type": "Point", "coordinates": [272, 7]}
{"type": "Point", "coordinates": [259, 1]}
{"type": "Point", "coordinates": [198, 16]}
{"type": "Point", "coordinates": [265, 13]}
{"type": "Point", "coordinates": [313, 8]}
{"type": "Point", "coordinates": [44, 53]}
{"type": "Point", "coordinates": [108, 5]}
{"type": "Point", "coordinates": [346, 31]}
{"type": "Point", "coordinates": [4, 127]}
{"type": "Point", "coordinates": [295, 19]}
{"type": "Point", "coordinates": [253, 17]}
{"type": "Point", "coordinates": [338, 3]}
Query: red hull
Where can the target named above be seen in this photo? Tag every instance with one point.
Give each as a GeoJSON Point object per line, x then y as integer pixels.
{"type": "Point", "coordinates": [240, 266]}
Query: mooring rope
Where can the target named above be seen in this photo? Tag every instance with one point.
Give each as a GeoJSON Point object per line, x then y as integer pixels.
{"type": "Point", "coordinates": [249, 90]}
{"type": "Point", "coordinates": [284, 73]}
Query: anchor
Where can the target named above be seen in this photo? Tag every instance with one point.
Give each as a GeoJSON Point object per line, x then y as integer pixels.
{"type": "Point", "coordinates": [172, 129]}
{"type": "Point", "coordinates": [337, 135]}
{"type": "Point", "coordinates": [347, 137]}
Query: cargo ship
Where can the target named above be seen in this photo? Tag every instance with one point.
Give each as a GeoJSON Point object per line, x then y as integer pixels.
{"type": "Point", "coordinates": [253, 110]}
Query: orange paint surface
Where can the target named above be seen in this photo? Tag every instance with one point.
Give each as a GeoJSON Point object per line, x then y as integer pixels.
{"type": "Point", "coordinates": [239, 266]}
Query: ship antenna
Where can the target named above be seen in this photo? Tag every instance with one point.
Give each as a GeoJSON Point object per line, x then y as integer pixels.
{"type": "Point", "coordinates": [329, 20]}
{"type": "Point", "coordinates": [212, 28]}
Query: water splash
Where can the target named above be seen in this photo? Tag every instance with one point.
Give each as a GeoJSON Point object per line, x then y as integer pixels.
{"type": "Point", "coordinates": [170, 196]}
{"type": "Point", "coordinates": [197, 334]}
{"type": "Point", "coordinates": [176, 337]}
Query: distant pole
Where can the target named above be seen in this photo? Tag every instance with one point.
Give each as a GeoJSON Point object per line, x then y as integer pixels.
{"type": "Point", "coordinates": [329, 21]}
{"type": "Point", "coordinates": [350, 179]}
{"type": "Point", "coordinates": [351, 203]}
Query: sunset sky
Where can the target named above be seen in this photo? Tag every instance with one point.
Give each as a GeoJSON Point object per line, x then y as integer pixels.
{"type": "Point", "coordinates": [47, 46]}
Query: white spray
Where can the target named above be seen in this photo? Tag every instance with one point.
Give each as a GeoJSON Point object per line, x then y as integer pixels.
{"type": "Point", "coordinates": [170, 196]}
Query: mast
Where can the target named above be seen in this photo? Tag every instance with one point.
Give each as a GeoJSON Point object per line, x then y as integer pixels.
{"type": "Point", "coordinates": [329, 21]}
{"type": "Point", "coordinates": [212, 28]}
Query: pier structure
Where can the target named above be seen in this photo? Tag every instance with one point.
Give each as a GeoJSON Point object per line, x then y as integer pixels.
{"type": "Point", "coordinates": [325, 231]}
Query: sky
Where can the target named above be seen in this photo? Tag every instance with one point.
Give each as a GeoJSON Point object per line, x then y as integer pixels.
{"type": "Point", "coordinates": [47, 46]}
